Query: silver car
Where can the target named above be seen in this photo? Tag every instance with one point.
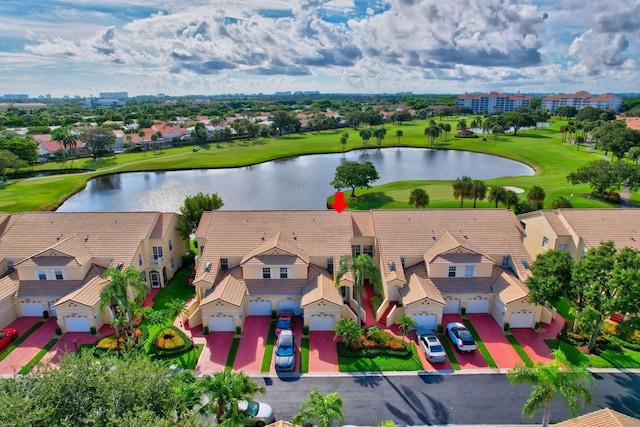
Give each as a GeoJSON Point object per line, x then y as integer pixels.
{"type": "Point", "coordinates": [432, 347]}
{"type": "Point", "coordinates": [286, 351]}
{"type": "Point", "coordinates": [259, 414]}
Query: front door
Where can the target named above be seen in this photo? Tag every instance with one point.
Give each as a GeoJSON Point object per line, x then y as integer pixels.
{"type": "Point", "coordinates": [154, 278]}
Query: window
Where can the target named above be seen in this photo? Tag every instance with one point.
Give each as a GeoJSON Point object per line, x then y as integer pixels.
{"type": "Point", "coordinates": [506, 261]}
{"type": "Point", "coordinates": [545, 242]}
{"type": "Point", "coordinates": [42, 275]}
{"type": "Point", "coordinates": [59, 275]}
{"type": "Point", "coordinates": [170, 244]}
{"type": "Point", "coordinates": [10, 265]}
{"type": "Point", "coordinates": [452, 271]}
{"type": "Point", "coordinates": [284, 273]}
{"type": "Point", "coordinates": [469, 270]}
{"type": "Point", "coordinates": [157, 252]}
{"type": "Point", "coordinates": [563, 246]}
{"type": "Point", "coordinates": [368, 250]}
{"type": "Point", "coordinates": [330, 265]}
{"type": "Point", "coordinates": [355, 250]}
{"type": "Point", "coordinates": [140, 260]}
{"type": "Point", "coordinates": [173, 263]}
{"type": "Point", "coordinates": [224, 263]}
{"type": "Point", "coordinates": [266, 273]}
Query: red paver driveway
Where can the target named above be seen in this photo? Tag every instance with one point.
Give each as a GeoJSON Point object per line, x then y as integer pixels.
{"type": "Point", "coordinates": [297, 330]}
{"type": "Point", "coordinates": [533, 342]}
{"type": "Point", "coordinates": [215, 353]}
{"type": "Point", "coordinates": [323, 354]}
{"type": "Point", "coordinates": [66, 343]}
{"type": "Point", "coordinates": [473, 360]}
{"type": "Point", "coordinates": [428, 366]}
{"type": "Point", "coordinates": [494, 339]}
{"type": "Point", "coordinates": [252, 343]}
{"type": "Point", "coordinates": [30, 346]}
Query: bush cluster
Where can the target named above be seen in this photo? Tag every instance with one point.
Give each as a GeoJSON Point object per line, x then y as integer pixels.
{"type": "Point", "coordinates": [376, 342]}
{"type": "Point", "coordinates": [170, 342]}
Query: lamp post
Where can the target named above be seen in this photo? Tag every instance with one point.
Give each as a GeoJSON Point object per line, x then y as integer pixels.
{"type": "Point", "coordinates": [75, 344]}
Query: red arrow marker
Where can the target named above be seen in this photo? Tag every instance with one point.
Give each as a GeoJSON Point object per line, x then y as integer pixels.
{"type": "Point", "coordinates": [339, 203]}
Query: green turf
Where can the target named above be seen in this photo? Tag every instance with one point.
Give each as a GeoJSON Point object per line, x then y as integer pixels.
{"type": "Point", "coordinates": [607, 359]}
{"type": "Point", "coordinates": [188, 360]}
{"type": "Point", "coordinates": [450, 353]}
{"type": "Point", "coordinates": [565, 310]}
{"type": "Point", "coordinates": [268, 348]}
{"type": "Point", "coordinates": [33, 362]}
{"type": "Point", "coordinates": [20, 339]}
{"type": "Point", "coordinates": [232, 354]}
{"type": "Point", "coordinates": [178, 288]}
{"type": "Point", "coordinates": [381, 363]}
{"type": "Point", "coordinates": [304, 355]}
{"type": "Point", "coordinates": [518, 348]}
{"type": "Point", "coordinates": [480, 343]}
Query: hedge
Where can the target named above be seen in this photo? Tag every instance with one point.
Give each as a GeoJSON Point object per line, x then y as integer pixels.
{"type": "Point", "coordinates": [344, 351]}
{"type": "Point", "coordinates": [162, 353]}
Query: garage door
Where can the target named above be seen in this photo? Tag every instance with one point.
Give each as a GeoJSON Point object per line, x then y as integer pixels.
{"type": "Point", "coordinates": [77, 324]}
{"type": "Point", "coordinates": [452, 307]}
{"type": "Point", "coordinates": [321, 322]}
{"type": "Point", "coordinates": [426, 322]}
{"type": "Point", "coordinates": [497, 311]}
{"type": "Point", "coordinates": [7, 315]}
{"type": "Point", "coordinates": [521, 320]}
{"type": "Point", "coordinates": [290, 305]}
{"type": "Point", "coordinates": [259, 308]}
{"type": "Point", "coordinates": [31, 309]}
{"type": "Point", "coordinates": [221, 324]}
{"type": "Point", "coordinates": [478, 305]}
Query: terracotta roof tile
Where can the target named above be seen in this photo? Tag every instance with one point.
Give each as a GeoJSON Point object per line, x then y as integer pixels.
{"type": "Point", "coordinates": [320, 287]}
{"type": "Point", "coordinates": [8, 285]}
{"type": "Point", "coordinates": [276, 243]}
{"type": "Point", "coordinates": [603, 418]}
{"type": "Point", "coordinates": [89, 294]}
{"type": "Point", "coordinates": [622, 226]}
{"type": "Point", "coordinates": [230, 289]}
{"type": "Point", "coordinates": [419, 286]}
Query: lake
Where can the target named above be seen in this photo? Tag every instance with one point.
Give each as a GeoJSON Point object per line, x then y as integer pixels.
{"type": "Point", "coordinates": [294, 183]}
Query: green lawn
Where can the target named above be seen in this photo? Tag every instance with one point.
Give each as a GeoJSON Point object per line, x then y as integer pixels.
{"type": "Point", "coordinates": [607, 359]}
{"type": "Point", "coordinates": [541, 149]}
{"type": "Point", "coordinates": [178, 288]}
{"type": "Point", "coordinates": [304, 355]}
{"type": "Point", "coordinates": [518, 348]}
{"type": "Point", "coordinates": [232, 354]}
{"type": "Point", "coordinates": [268, 348]}
{"type": "Point", "coordinates": [450, 353]}
{"type": "Point", "coordinates": [381, 363]}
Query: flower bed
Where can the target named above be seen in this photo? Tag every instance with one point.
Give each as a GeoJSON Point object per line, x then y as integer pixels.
{"type": "Point", "coordinates": [111, 343]}
{"type": "Point", "coordinates": [170, 341]}
{"type": "Point", "coordinates": [376, 342]}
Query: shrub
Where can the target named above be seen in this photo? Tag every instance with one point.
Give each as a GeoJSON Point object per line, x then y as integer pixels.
{"type": "Point", "coordinates": [274, 314]}
{"type": "Point", "coordinates": [344, 351]}
{"type": "Point", "coordinates": [376, 302]}
{"type": "Point", "coordinates": [170, 342]}
{"type": "Point", "coordinates": [58, 331]}
{"type": "Point", "coordinates": [463, 310]}
{"type": "Point", "coordinates": [188, 259]}
{"type": "Point", "coordinates": [440, 328]}
{"type": "Point", "coordinates": [238, 330]}
{"type": "Point", "coordinates": [506, 326]}
{"type": "Point", "coordinates": [107, 343]}
{"type": "Point", "coordinates": [205, 330]}
{"type": "Point", "coordinates": [537, 325]}
{"type": "Point", "coordinates": [45, 314]}
{"type": "Point", "coordinates": [93, 330]}
{"type": "Point", "coordinates": [305, 330]}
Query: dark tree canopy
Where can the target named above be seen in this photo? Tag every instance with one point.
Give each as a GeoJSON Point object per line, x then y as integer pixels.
{"type": "Point", "coordinates": [418, 198]}
{"type": "Point", "coordinates": [551, 278]}
{"type": "Point", "coordinates": [24, 148]}
{"type": "Point", "coordinates": [192, 209]}
{"type": "Point", "coordinates": [603, 175]}
{"type": "Point", "coordinates": [354, 175]}
{"type": "Point", "coordinates": [97, 139]}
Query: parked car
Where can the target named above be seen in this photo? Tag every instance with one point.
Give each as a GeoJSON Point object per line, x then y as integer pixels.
{"type": "Point", "coordinates": [286, 351]}
{"type": "Point", "coordinates": [461, 337]}
{"type": "Point", "coordinates": [7, 335]}
{"type": "Point", "coordinates": [432, 347]}
{"type": "Point", "coordinates": [260, 414]}
{"type": "Point", "coordinates": [285, 322]}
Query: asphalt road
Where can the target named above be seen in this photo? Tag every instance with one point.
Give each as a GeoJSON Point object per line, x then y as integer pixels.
{"type": "Point", "coordinates": [441, 399]}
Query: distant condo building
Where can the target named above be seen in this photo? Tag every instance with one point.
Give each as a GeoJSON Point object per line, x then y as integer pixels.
{"type": "Point", "coordinates": [114, 95]}
{"type": "Point", "coordinates": [493, 102]}
{"type": "Point", "coordinates": [16, 96]}
{"type": "Point", "coordinates": [580, 100]}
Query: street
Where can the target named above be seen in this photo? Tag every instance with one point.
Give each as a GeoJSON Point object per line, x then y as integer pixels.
{"type": "Point", "coordinates": [441, 399]}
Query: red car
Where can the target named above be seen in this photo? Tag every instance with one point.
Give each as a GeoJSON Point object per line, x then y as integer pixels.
{"type": "Point", "coordinates": [285, 322]}
{"type": "Point", "coordinates": [7, 335]}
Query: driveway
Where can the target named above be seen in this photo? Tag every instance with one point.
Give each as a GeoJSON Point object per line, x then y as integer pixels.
{"type": "Point", "coordinates": [473, 360]}
{"type": "Point", "coordinates": [533, 342]}
{"type": "Point", "coordinates": [323, 354]}
{"type": "Point", "coordinates": [297, 330]}
{"type": "Point", "coordinates": [494, 339]}
{"type": "Point", "coordinates": [215, 353]}
{"type": "Point", "coordinates": [70, 340]}
{"type": "Point", "coordinates": [27, 350]}
{"type": "Point", "coordinates": [252, 343]}
{"type": "Point", "coordinates": [428, 366]}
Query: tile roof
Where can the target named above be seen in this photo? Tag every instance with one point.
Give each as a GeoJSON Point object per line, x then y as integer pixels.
{"type": "Point", "coordinates": [276, 243]}
{"type": "Point", "coordinates": [320, 287]}
{"type": "Point", "coordinates": [8, 285]}
{"type": "Point", "coordinates": [72, 248]}
{"type": "Point", "coordinates": [603, 418]}
{"type": "Point", "coordinates": [362, 224]}
{"type": "Point", "coordinates": [594, 226]}
{"type": "Point", "coordinates": [419, 286]}
{"type": "Point", "coordinates": [88, 294]}
{"type": "Point", "coordinates": [230, 289]}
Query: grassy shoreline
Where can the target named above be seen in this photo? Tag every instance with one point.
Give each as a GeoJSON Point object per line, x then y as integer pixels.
{"type": "Point", "coordinates": [540, 149]}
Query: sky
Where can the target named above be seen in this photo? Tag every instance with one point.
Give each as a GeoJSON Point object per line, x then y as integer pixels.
{"type": "Point", "coordinates": [211, 47]}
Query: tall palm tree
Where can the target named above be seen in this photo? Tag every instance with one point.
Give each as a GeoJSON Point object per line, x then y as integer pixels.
{"type": "Point", "coordinates": [461, 125]}
{"type": "Point", "coordinates": [359, 267]}
{"type": "Point", "coordinates": [349, 331]}
{"type": "Point", "coordinates": [365, 134]}
{"type": "Point", "coordinates": [497, 194]}
{"type": "Point", "coordinates": [510, 198]}
{"type": "Point", "coordinates": [419, 198]}
{"type": "Point", "coordinates": [550, 380]}
{"type": "Point", "coordinates": [176, 307]}
{"type": "Point", "coordinates": [406, 323]}
{"type": "Point", "coordinates": [536, 197]}
{"type": "Point", "coordinates": [463, 187]}
{"type": "Point", "coordinates": [479, 191]}
{"type": "Point", "coordinates": [116, 291]}
{"type": "Point", "coordinates": [324, 410]}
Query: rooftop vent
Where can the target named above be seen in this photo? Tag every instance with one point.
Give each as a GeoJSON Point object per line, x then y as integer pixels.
{"type": "Point", "coordinates": [86, 237]}
{"type": "Point", "coordinates": [207, 267]}
{"type": "Point", "coordinates": [525, 263]}
{"type": "Point", "coordinates": [392, 266]}
{"type": "Point", "coordinates": [120, 265]}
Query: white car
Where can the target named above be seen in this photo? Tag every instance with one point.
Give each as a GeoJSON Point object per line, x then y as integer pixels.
{"type": "Point", "coordinates": [260, 414]}
{"type": "Point", "coordinates": [432, 347]}
{"type": "Point", "coordinates": [461, 337]}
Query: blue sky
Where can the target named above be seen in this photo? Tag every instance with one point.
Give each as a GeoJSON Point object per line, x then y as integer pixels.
{"type": "Point", "coordinates": [83, 47]}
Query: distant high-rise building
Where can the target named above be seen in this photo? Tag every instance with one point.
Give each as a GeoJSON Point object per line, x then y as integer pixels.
{"type": "Point", "coordinates": [493, 102]}
{"type": "Point", "coordinates": [114, 95]}
{"type": "Point", "coordinates": [582, 99]}
{"type": "Point", "coordinates": [16, 96]}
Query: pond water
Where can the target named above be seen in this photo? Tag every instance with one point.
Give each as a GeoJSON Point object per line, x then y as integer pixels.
{"type": "Point", "coordinates": [293, 183]}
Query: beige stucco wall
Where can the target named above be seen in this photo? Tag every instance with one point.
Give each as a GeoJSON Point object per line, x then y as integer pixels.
{"type": "Point", "coordinates": [96, 317]}
{"type": "Point", "coordinates": [178, 249]}
{"type": "Point", "coordinates": [321, 308]}
{"type": "Point", "coordinates": [8, 312]}
{"type": "Point", "coordinates": [425, 307]}
{"type": "Point", "coordinates": [442, 270]}
{"type": "Point", "coordinates": [254, 271]}
{"type": "Point", "coordinates": [220, 308]}
{"type": "Point", "coordinates": [537, 227]}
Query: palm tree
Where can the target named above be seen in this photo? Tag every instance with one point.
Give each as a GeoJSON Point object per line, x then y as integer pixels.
{"type": "Point", "coordinates": [432, 132]}
{"type": "Point", "coordinates": [463, 187]}
{"type": "Point", "coordinates": [116, 291]}
{"type": "Point", "coordinates": [497, 194]}
{"type": "Point", "coordinates": [359, 267]}
{"type": "Point", "coordinates": [219, 394]}
{"type": "Point", "coordinates": [399, 134]}
{"type": "Point", "coordinates": [634, 154]}
{"type": "Point", "coordinates": [176, 307]}
{"type": "Point", "coordinates": [479, 191]}
{"type": "Point", "coordinates": [419, 198]}
{"type": "Point", "coordinates": [406, 323]}
{"type": "Point", "coordinates": [349, 331]}
{"type": "Point", "coordinates": [343, 140]}
{"type": "Point", "coordinates": [446, 128]}
{"type": "Point", "coordinates": [365, 134]}
{"type": "Point", "coordinates": [550, 380]}
{"type": "Point", "coordinates": [510, 198]}
{"type": "Point", "coordinates": [563, 130]}
{"type": "Point", "coordinates": [536, 197]}
{"type": "Point", "coordinates": [323, 410]}
{"type": "Point", "coordinates": [461, 125]}
{"type": "Point", "coordinates": [379, 133]}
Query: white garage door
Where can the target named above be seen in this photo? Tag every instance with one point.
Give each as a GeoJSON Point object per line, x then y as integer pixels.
{"type": "Point", "coordinates": [290, 305]}
{"type": "Point", "coordinates": [478, 305]}
{"type": "Point", "coordinates": [452, 307]}
{"type": "Point", "coordinates": [426, 322]}
{"type": "Point", "coordinates": [221, 324]}
{"type": "Point", "coordinates": [31, 309]}
{"type": "Point", "coordinates": [259, 308]}
{"type": "Point", "coordinates": [321, 322]}
{"type": "Point", "coordinates": [521, 320]}
{"type": "Point", "coordinates": [77, 324]}
{"type": "Point", "coordinates": [497, 311]}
